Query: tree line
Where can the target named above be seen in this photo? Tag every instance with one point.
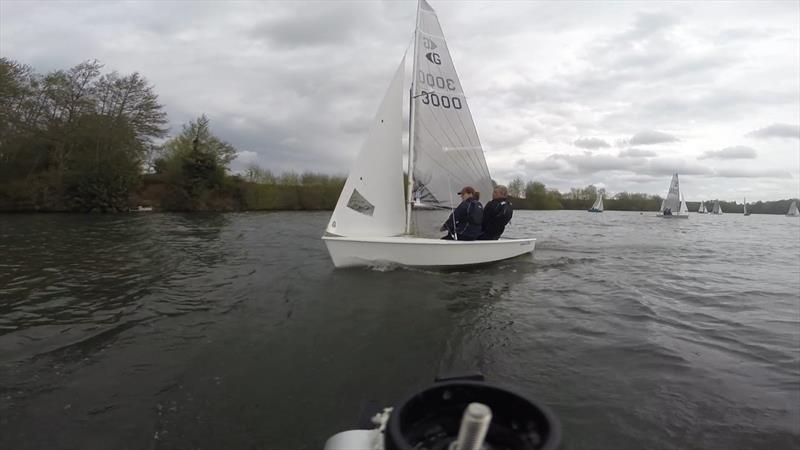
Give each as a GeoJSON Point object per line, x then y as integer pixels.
{"type": "Point", "coordinates": [83, 140]}
{"type": "Point", "coordinates": [534, 195]}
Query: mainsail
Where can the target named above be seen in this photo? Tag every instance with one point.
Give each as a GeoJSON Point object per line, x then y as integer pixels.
{"type": "Point", "coordinates": [717, 208]}
{"type": "Point", "coordinates": [673, 200]}
{"type": "Point", "coordinates": [372, 201]}
{"type": "Point", "coordinates": [793, 211]}
{"type": "Point", "coordinates": [598, 204]}
{"type": "Point", "coordinates": [445, 152]}
{"type": "Point", "coordinates": [744, 207]}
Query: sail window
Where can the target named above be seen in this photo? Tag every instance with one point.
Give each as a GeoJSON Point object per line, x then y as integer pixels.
{"type": "Point", "coordinates": [358, 203]}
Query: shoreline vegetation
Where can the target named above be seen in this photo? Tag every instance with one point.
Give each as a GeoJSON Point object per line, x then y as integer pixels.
{"type": "Point", "coordinates": [80, 140]}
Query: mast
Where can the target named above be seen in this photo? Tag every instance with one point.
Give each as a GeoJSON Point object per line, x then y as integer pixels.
{"type": "Point", "coordinates": [410, 186]}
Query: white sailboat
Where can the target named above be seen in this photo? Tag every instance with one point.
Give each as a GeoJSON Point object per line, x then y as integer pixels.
{"type": "Point", "coordinates": [793, 211]}
{"type": "Point", "coordinates": [717, 209]}
{"type": "Point", "coordinates": [674, 206]}
{"type": "Point", "coordinates": [372, 223]}
{"type": "Point", "coordinates": [744, 207]}
{"type": "Point", "coordinates": [684, 206]}
{"type": "Point", "coordinates": [702, 209]}
{"type": "Point", "coordinates": [597, 207]}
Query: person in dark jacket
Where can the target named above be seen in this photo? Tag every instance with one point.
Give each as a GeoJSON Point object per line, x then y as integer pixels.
{"type": "Point", "coordinates": [464, 224]}
{"type": "Point", "coordinates": [496, 214]}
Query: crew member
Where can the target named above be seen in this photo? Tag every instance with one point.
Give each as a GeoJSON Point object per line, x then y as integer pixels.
{"type": "Point", "coordinates": [464, 224]}
{"type": "Point", "coordinates": [496, 214]}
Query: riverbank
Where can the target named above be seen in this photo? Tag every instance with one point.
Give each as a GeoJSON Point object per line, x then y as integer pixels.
{"type": "Point", "coordinates": [159, 192]}
{"type": "Point", "coordinates": [156, 192]}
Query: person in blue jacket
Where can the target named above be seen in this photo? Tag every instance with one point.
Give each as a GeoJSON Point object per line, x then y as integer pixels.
{"type": "Point", "coordinates": [464, 224]}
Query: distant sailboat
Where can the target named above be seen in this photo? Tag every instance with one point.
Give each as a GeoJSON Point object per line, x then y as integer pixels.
{"type": "Point", "coordinates": [746, 212]}
{"type": "Point", "coordinates": [674, 206]}
{"type": "Point", "coordinates": [716, 209]}
{"type": "Point", "coordinates": [598, 204]}
{"type": "Point", "coordinates": [684, 206]}
{"type": "Point", "coordinates": [702, 209]}
{"type": "Point", "coordinates": [793, 211]}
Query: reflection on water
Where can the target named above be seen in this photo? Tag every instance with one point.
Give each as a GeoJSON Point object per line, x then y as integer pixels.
{"type": "Point", "coordinates": [234, 330]}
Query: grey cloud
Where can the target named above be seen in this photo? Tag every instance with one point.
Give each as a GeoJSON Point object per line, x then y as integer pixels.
{"type": "Point", "coordinates": [777, 130]}
{"type": "Point", "coordinates": [297, 82]}
{"type": "Point", "coordinates": [591, 143]}
{"type": "Point", "coordinates": [318, 25]}
{"type": "Point", "coordinates": [636, 153]}
{"type": "Point", "coordinates": [650, 137]}
{"type": "Point", "coordinates": [592, 164]}
{"type": "Point", "coordinates": [668, 166]}
{"type": "Point", "coordinates": [736, 152]}
{"type": "Point", "coordinates": [753, 173]}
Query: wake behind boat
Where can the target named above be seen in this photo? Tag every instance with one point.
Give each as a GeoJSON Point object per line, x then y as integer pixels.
{"type": "Point", "coordinates": [372, 223]}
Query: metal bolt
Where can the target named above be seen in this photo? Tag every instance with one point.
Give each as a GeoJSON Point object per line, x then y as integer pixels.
{"type": "Point", "coordinates": [474, 426]}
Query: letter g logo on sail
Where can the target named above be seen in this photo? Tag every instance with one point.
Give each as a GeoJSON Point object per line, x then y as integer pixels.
{"type": "Point", "coordinates": [434, 58]}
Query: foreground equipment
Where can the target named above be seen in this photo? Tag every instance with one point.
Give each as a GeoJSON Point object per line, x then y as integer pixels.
{"type": "Point", "coordinates": [457, 415]}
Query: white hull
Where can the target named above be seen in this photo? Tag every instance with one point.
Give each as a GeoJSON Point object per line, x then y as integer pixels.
{"type": "Point", "coordinates": [413, 251]}
{"type": "Point", "coordinates": [674, 216]}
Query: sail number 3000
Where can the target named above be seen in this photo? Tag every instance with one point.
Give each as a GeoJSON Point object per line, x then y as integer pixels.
{"type": "Point", "coordinates": [432, 98]}
{"type": "Point", "coordinates": [436, 81]}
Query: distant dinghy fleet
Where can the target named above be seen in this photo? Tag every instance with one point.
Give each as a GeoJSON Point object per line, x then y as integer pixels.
{"type": "Point", "coordinates": [674, 205]}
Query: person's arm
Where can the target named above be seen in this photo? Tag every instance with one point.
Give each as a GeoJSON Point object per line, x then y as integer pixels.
{"type": "Point", "coordinates": [462, 216]}
{"type": "Point", "coordinates": [506, 213]}
{"type": "Point", "coordinates": [448, 224]}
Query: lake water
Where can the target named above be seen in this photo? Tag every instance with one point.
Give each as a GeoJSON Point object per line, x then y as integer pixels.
{"type": "Point", "coordinates": [212, 331]}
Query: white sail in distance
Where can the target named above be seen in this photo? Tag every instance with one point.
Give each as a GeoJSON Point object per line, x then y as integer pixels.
{"type": "Point", "coordinates": [702, 208]}
{"type": "Point", "coordinates": [598, 204]}
{"type": "Point", "coordinates": [793, 211]}
{"type": "Point", "coordinates": [372, 202]}
{"type": "Point", "coordinates": [673, 200]}
{"type": "Point", "coordinates": [447, 153]}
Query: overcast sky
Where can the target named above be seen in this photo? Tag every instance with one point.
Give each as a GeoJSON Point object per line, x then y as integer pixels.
{"type": "Point", "coordinates": [617, 94]}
